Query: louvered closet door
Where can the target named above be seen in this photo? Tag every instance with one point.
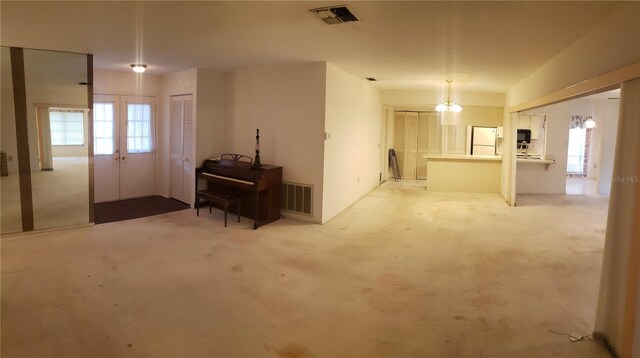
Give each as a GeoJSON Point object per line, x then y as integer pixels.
{"type": "Point", "coordinates": [399, 138]}
{"type": "Point", "coordinates": [434, 143]}
{"type": "Point", "coordinates": [182, 169]}
{"type": "Point", "coordinates": [423, 145]}
{"type": "Point", "coordinates": [410, 145]}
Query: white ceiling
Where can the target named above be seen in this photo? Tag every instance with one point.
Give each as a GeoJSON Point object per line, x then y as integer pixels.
{"type": "Point", "coordinates": [483, 46]}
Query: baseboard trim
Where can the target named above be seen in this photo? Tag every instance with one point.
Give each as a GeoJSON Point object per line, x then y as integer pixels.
{"type": "Point", "coordinates": [603, 338]}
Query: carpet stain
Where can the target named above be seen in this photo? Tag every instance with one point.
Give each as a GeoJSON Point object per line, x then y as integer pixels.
{"type": "Point", "coordinates": [304, 265]}
{"type": "Point", "coordinates": [392, 280]}
{"type": "Point", "coordinates": [293, 350]}
{"type": "Point", "coordinates": [237, 268]}
{"type": "Point", "coordinates": [460, 318]}
{"type": "Point", "coordinates": [483, 320]}
{"type": "Point", "coordinates": [217, 248]}
{"type": "Point", "coordinates": [483, 301]}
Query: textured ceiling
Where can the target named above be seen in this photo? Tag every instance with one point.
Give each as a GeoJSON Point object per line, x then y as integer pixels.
{"type": "Point", "coordinates": [483, 46]}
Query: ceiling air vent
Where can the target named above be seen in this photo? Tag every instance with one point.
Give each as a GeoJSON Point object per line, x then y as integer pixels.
{"type": "Point", "coordinates": [334, 14]}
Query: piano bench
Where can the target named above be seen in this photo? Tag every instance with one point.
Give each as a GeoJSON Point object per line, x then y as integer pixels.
{"type": "Point", "coordinates": [224, 200]}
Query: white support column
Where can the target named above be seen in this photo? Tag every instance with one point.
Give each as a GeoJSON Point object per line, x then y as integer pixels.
{"type": "Point", "coordinates": [617, 313]}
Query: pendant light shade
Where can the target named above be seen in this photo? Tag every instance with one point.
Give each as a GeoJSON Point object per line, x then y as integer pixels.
{"type": "Point", "coordinates": [449, 104]}
{"type": "Point", "coordinates": [590, 123]}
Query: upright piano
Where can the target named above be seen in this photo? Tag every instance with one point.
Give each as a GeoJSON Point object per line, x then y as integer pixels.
{"type": "Point", "coordinates": [235, 175]}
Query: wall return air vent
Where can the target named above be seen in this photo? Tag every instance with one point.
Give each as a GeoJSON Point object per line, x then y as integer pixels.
{"type": "Point", "coordinates": [297, 198]}
{"type": "Point", "coordinates": [334, 14]}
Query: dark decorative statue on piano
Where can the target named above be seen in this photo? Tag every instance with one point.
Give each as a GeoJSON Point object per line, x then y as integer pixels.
{"type": "Point", "coordinates": [236, 175]}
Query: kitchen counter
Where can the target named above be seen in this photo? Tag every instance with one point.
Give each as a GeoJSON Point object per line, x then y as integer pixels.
{"type": "Point", "coordinates": [464, 173]}
{"type": "Point", "coordinates": [493, 158]}
{"type": "Point", "coordinates": [545, 161]}
{"type": "Point", "coordinates": [535, 161]}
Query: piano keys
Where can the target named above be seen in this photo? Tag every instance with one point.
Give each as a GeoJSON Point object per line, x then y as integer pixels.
{"type": "Point", "coordinates": [259, 188]}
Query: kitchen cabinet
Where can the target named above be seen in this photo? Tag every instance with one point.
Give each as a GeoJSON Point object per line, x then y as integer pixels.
{"type": "Point", "coordinates": [500, 132]}
{"type": "Point", "coordinates": [533, 122]}
{"type": "Point", "coordinates": [534, 125]}
{"type": "Point", "coordinates": [523, 122]}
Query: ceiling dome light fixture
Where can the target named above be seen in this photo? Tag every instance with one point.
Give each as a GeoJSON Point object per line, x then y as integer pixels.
{"type": "Point", "coordinates": [590, 123]}
{"type": "Point", "coordinates": [138, 68]}
{"type": "Point", "coordinates": [449, 104]}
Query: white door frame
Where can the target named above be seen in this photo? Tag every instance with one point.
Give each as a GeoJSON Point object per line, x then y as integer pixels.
{"type": "Point", "coordinates": [125, 175]}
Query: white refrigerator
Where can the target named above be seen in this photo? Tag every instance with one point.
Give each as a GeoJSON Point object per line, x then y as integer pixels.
{"type": "Point", "coordinates": [483, 141]}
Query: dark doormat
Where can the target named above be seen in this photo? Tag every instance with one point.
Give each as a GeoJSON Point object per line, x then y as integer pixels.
{"type": "Point", "coordinates": [135, 208]}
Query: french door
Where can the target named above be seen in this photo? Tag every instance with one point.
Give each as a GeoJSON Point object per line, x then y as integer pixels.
{"type": "Point", "coordinates": [124, 147]}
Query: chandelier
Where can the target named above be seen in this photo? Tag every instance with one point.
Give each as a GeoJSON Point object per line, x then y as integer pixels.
{"type": "Point", "coordinates": [448, 104]}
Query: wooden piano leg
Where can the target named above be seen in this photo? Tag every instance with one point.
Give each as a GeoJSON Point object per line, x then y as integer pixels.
{"type": "Point", "coordinates": [255, 221]}
{"type": "Point", "coordinates": [197, 204]}
{"type": "Point", "coordinates": [225, 213]}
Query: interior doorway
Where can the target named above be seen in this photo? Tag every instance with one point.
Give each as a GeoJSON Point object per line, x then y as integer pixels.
{"type": "Point", "coordinates": [124, 147]}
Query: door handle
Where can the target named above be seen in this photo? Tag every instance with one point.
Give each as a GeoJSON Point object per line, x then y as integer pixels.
{"type": "Point", "coordinates": [124, 157]}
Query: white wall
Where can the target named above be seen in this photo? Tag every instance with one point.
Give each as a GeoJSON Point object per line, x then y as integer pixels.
{"type": "Point", "coordinates": [613, 44]}
{"type": "Point", "coordinates": [287, 104]}
{"type": "Point", "coordinates": [509, 166]}
{"type": "Point", "coordinates": [126, 83]}
{"type": "Point", "coordinates": [178, 83]}
{"type": "Point", "coordinates": [212, 119]}
{"type": "Point", "coordinates": [608, 127]}
{"type": "Point", "coordinates": [426, 100]}
{"type": "Point", "coordinates": [352, 151]}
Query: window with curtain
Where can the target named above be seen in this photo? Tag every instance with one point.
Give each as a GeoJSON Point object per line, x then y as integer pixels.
{"type": "Point", "coordinates": [139, 128]}
{"type": "Point", "coordinates": [577, 156]}
{"type": "Point", "coordinates": [67, 126]}
{"type": "Point", "coordinates": [103, 128]}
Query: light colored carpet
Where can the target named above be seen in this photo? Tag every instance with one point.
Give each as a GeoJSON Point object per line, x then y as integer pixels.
{"type": "Point", "coordinates": [404, 273]}
{"type": "Point", "coordinates": [60, 197]}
